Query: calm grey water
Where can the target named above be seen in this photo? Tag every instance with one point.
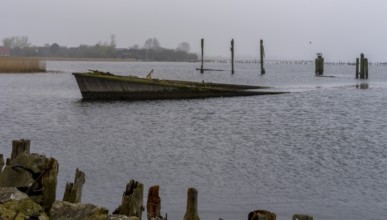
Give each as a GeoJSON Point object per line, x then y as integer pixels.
{"type": "Point", "coordinates": [319, 150]}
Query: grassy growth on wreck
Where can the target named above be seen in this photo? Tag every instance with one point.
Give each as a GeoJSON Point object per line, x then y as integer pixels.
{"type": "Point", "coordinates": [21, 65]}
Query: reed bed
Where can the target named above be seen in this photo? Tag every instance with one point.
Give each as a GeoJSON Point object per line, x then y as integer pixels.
{"type": "Point", "coordinates": [21, 65]}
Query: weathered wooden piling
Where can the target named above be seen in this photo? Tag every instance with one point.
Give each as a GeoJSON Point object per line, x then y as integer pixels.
{"type": "Point", "coordinates": [262, 215]}
{"type": "Point", "coordinates": [363, 73]}
{"type": "Point", "coordinates": [153, 205]}
{"type": "Point", "coordinates": [365, 68]}
{"type": "Point", "coordinates": [19, 147]}
{"type": "Point", "coordinates": [362, 66]}
{"type": "Point", "coordinates": [232, 56]}
{"type": "Point", "coordinates": [34, 175]}
{"type": "Point", "coordinates": [132, 200]}
{"type": "Point", "coordinates": [302, 217]}
{"type": "Point", "coordinates": [202, 46]}
{"type": "Point", "coordinates": [73, 191]}
{"type": "Point", "coordinates": [1, 162]}
{"type": "Point", "coordinates": [319, 63]}
{"type": "Point", "coordinates": [192, 205]}
{"type": "Point", "coordinates": [49, 183]}
{"type": "Point", "coordinates": [262, 55]}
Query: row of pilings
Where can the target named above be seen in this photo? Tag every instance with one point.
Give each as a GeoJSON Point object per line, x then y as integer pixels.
{"type": "Point", "coordinates": [262, 55]}
{"type": "Point", "coordinates": [361, 64]}
{"type": "Point", "coordinates": [28, 184]}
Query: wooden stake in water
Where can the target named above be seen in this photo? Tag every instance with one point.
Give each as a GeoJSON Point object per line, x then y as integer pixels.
{"type": "Point", "coordinates": [361, 66]}
{"type": "Point", "coordinates": [363, 72]}
{"type": "Point", "coordinates": [262, 53]}
{"type": "Point", "coordinates": [202, 44]}
{"type": "Point", "coordinates": [365, 68]}
{"type": "Point", "coordinates": [232, 56]}
{"type": "Point", "coordinates": [319, 64]}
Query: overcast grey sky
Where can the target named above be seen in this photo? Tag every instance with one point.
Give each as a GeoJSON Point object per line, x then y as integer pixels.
{"type": "Point", "coordinates": [291, 29]}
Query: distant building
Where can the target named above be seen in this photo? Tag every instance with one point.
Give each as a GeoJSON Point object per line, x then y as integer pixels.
{"type": "Point", "coordinates": [5, 51]}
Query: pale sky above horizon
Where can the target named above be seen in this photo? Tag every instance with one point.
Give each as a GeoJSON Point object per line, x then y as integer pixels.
{"type": "Point", "coordinates": [291, 29]}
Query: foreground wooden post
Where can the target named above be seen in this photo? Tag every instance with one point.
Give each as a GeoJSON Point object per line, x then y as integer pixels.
{"type": "Point", "coordinates": [132, 200]}
{"type": "Point", "coordinates": [73, 191]}
{"type": "Point", "coordinates": [153, 205]}
{"type": "Point", "coordinates": [202, 45]}
{"type": "Point", "coordinates": [49, 182]}
{"type": "Point", "coordinates": [262, 53]}
{"type": "Point", "coordinates": [19, 147]}
{"type": "Point", "coordinates": [1, 162]}
{"type": "Point", "coordinates": [357, 68]}
{"type": "Point", "coordinates": [302, 217]}
{"type": "Point", "coordinates": [232, 56]}
{"type": "Point", "coordinates": [262, 215]}
{"type": "Point", "coordinates": [192, 205]}
{"type": "Point", "coordinates": [319, 62]}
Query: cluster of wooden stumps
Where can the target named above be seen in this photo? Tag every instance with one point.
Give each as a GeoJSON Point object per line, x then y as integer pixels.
{"type": "Point", "coordinates": [262, 55]}
{"type": "Point", "coordinates": [363, 64]}
{"type": "Point", "coordinates": [36, 176]}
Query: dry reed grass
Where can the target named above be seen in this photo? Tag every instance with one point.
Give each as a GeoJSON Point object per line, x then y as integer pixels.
{"type": "Point", "coordinates": [21, 65]}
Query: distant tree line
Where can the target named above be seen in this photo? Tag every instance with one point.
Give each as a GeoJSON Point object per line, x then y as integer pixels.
{"type": "Point", "coordinates": [151, 51]}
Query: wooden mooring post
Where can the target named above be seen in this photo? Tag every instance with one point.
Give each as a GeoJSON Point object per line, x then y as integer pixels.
{"type": "Point", "coordinates": [19, 147]}
{"type": "Point", "coordinates": [363, 63]}
{"type": "Point", "coordinates": [192, 205]}
{"type": "Point", "coordinates": [232, 56]}
{"type": "Point", "coordinates": [319, 62]}
{"type": "Point", "coordinates": [202, 45]}
{"type": "Point", "coordinates": [153, 205]}
{"type": "Point", "coordinates": [262, 55]}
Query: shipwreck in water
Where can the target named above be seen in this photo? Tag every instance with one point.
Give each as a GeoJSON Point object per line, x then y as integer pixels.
{"type": "Point", "coordinates": [97, 85]}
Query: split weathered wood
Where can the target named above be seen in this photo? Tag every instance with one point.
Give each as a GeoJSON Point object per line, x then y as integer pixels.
{"type": "Point", "coordinates": [19, 147]}
{"type": "Point", "coordinates": [132, 200]}
{"type": "Point", "coordinates": [73, 191]}
{"type": "Point", "coordinates": [49, 183]}
{"type": "Point", "coordinates": [262, 215]}
{"type": "Point", "coordinates": [192, 205]}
